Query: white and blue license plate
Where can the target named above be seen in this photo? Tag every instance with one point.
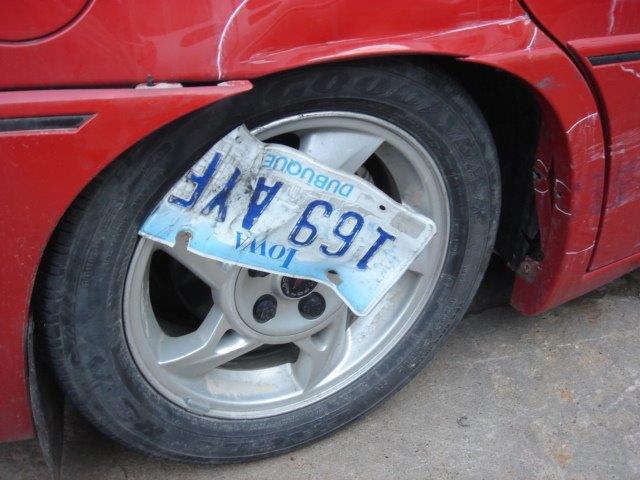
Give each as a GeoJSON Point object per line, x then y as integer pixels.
{"type": "Point", "coordinates": [274, 208]}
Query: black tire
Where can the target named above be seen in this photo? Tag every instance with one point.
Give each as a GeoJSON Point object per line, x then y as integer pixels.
{"type": "Point", "coordinates": [81, 283]}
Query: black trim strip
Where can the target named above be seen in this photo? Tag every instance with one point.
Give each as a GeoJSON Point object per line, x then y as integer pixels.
{"type": "Point", "coordinates": [614, 58]}
{"type": "Point", "coordinates": [61, 122]}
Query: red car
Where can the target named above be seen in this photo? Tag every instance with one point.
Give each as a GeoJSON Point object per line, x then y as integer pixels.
{"type": "Point", "coordinates": [506, 126]}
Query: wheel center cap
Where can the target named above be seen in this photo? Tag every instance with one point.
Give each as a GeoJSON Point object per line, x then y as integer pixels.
{"type": "Point", "coordinates": [282, 308]}
{"type": "Point", "coordinates": [296, 287]}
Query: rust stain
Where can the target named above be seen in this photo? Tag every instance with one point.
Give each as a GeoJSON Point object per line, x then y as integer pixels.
{"type": "Point", "coordinates": [563, 456]}
{"type": "Point", "coordinates": [565, 394]}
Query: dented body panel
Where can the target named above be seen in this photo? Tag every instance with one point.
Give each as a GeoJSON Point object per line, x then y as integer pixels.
{"type": "Point", "coordinates": [205, 40]}
{"type": "Point", "coordinates": [585, 189]}
{"type": "Point", "coordinates": [603, 37]}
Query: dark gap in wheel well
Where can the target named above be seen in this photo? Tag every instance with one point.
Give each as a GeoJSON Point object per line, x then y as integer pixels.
{"type": "Point", "coordinates": [511, 110]}
{"type": "Point", "coordinates": [382, 178]}
{"type": "Point", "coordinates": [288, 139]}
{"type": "Point", "coordinates": [179, 299]}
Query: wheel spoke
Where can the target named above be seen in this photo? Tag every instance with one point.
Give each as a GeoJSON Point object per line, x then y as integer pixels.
{"type": "Point", "coordinates": [213, 344]}
{"type": "Point", "coordinates": [321, 353]}
{"type": "Point", "coordinates": [212, 272]}
{"type": "Point", "coordinates": [420, 264]}
{"type": "Point", "coordinates": [340, 149]}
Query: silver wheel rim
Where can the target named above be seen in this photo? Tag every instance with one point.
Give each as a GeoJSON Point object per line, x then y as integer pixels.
{"type": "Point", "coordinates": [203, 370]}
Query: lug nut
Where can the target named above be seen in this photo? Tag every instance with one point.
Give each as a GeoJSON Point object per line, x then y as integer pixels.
{"type": "Point", "coordinates": [265, 308]}
{"type": "Point", "coordinates": [257, 273]}
{"type": "Point", "coordinates": [312, 306]}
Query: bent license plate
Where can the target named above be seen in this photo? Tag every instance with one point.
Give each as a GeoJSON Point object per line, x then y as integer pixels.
{"type": "Point", "coordinates": [273, 208]}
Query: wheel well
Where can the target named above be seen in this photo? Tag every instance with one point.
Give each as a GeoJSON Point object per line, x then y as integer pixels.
{"type": "Point", "coordinates": [512, 112]}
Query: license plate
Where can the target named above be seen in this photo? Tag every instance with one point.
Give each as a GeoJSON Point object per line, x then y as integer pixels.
{"type": "Point", "coordinates": [273, 208]}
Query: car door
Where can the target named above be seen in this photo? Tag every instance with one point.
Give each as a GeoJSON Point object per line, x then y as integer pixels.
{"type": "Point", "coordinates": [604, 37]}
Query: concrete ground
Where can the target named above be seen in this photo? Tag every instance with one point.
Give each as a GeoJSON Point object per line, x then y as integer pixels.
{"type": "Point", "coordinates": [507, 397]}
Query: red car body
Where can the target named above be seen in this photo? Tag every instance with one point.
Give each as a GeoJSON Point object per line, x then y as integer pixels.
{"type": "Point", "coordinates": [581, 59]}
